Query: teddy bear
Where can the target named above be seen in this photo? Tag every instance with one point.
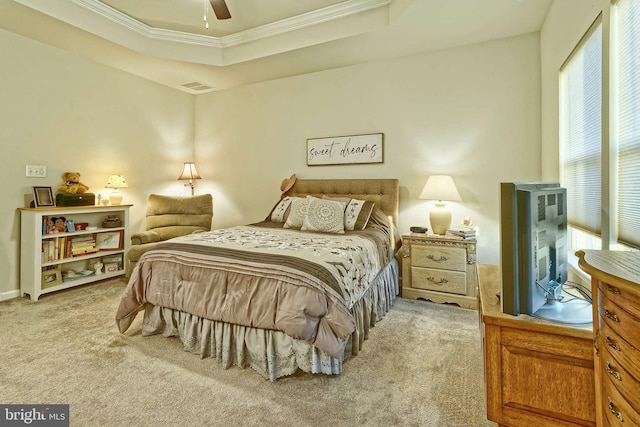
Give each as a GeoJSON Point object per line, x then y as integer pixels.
{"type": "Point", "coordinates": [72, 183]}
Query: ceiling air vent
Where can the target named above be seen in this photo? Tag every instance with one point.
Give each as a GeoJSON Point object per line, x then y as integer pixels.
{"type": "Point", "coordinates": [197, 87]}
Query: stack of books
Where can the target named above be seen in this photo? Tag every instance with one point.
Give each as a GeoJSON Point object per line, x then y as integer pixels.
{"type": "Point", "coordinates": [82, 245]}
{"type": "Point", "coordinates": [462, 232]}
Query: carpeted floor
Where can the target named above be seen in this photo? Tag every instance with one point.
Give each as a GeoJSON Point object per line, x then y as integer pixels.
{"type": "Point", "coordinates": [422, 366]}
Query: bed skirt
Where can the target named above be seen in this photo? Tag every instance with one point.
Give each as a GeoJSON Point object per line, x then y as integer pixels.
{"type": "Point", "coordinates": [271, 353]}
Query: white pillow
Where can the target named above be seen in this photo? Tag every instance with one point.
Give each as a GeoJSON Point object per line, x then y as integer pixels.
{"type": "Point", "coordinates": [297, 213]}
{"type": "Point", "coordinates": [323, 215]}
{"type": "Point", "coordinates": [281, 210]}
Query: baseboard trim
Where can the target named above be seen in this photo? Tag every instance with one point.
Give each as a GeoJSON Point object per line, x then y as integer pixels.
{"type": "Point", "coordinates": [9, 295]}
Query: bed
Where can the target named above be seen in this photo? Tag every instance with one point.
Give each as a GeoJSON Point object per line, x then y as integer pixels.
{"type": "Point", "coordinates": [292, 292]}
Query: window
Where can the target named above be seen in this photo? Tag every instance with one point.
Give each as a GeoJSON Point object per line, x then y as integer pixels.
{"type": "Point", "coordinates": [625, 117]}
{"type": "Point", "coordinates": [581, 133]}
{"type": "Point", "coordinates": [581, 139]}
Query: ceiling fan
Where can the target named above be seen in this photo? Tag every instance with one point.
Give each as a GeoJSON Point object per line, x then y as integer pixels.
{"type": "Point", "coordinates": [220, 9]}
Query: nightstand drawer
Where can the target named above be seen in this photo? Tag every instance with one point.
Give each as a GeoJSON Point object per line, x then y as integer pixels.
{"type": "Point", "coordinates": [453, 282]}
{"type": "Point", "coordinates": [439, 257]}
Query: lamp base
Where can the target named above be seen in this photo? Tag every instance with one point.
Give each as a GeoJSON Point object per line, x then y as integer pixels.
{"type": "Point", "coordinates": [115, 198]}
{"type": "Point", "coordinates": [440, 219]}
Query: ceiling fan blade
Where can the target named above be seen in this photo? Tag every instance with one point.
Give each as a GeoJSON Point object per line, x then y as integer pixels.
{"type": "Point", "coordinates": [220, 9]}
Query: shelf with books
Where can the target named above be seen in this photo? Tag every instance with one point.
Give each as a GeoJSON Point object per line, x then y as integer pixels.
{"type": "Point", "coordinates": [75, 253]}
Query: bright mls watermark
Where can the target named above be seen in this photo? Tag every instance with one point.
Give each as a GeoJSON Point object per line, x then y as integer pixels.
{"type": "Point", "coordinates": [34, 415]}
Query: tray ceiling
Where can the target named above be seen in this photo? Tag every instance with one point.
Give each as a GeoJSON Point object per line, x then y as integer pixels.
{"type": "Point", "coordinates": [263, 40]}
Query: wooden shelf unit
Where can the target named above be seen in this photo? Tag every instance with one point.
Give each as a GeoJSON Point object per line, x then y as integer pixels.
{"type": "Point", "coordinates": [33, 264]}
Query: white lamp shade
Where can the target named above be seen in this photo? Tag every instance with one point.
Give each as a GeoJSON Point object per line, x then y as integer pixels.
{"type": "Point", "coordinates": [116, 181]}
{"type": "Point", "coordinates": [440, 187]}
{"type": "Point", "coordinates": [189, 171]}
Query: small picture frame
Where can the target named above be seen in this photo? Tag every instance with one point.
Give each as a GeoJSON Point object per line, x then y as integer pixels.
{"type": "Point", "coordinates": [111, 268]}
{"type": "Point", "coordinates": [109, 240]}
{"type": "Point", "coordinates": [51, 278]}
{"type": "Point", "coordinates": [43, 197]}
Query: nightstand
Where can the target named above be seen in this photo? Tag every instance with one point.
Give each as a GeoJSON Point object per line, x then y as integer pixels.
{"type": "Point", "coordinates": [440, 269]}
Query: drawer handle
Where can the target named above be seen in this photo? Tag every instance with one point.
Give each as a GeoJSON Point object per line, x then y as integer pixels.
{"type": "Point", "coordinates": [613, 289]}
{"type": "Point", "coordinates": [613, 373]}
{"type": "Point", "coordinates": [617, 414]}
{"type": "Point", "coordinates": [612, 344]}
{"type": "Point", "coordinates": [441, 259]}
{"type": "Point", "coordinates": [611, 316]}
{"type": "Point", "coordinates": [433, 280]}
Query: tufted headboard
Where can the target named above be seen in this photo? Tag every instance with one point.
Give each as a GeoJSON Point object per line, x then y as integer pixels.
{"type": "Point", "coordinates": [385, 193]}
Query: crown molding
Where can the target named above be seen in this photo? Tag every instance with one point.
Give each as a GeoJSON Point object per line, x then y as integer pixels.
{"type": "Point", "coordinates": [294, 23]}
{"type": "Point", "coordinates": [309, 19]}
{"type": "Point", "coordinates": [115, 16]}
{"type": "Point", "coordinates": [104, 21]}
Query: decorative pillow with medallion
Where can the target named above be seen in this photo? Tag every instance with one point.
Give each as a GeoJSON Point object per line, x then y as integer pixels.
{"type": "Point", "coordinates": [356, 212]}
{"type": "Point", "coordinates": [297, 213]}
{"type": "Point", "coordinates": [323, 215]}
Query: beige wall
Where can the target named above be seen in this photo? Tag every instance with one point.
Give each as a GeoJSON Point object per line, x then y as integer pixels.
{"type": "Point", "coordinates": [472, 112]}
{"type": "Point", "coordinates": [70, 114]}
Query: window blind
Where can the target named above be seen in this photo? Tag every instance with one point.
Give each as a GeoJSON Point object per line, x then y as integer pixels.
{"type": "Point", "coordinates": [580, 131]}
{"type": "Point", "coordinates": [626, 62]}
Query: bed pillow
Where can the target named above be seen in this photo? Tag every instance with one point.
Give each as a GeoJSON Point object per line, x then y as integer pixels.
{"type": "Point", "coordinates": [356, 212]}
{"type": "Point", "coordinates": [324, 215]}
{"type": "Point", "coordinates": [281, 210]}
{"type": "Point", "coordinates": [297, 213]}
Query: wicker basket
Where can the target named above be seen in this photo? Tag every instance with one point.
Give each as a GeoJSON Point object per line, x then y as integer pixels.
{"type": "Point", "coordinates": [111, 222]}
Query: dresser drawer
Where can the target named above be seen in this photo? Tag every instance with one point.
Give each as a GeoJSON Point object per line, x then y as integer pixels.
{"type": "Point", "coordinates": [624, 353]}
{"type": "Point", "coordinates": [626, 384]}
{"type": "Point", "coordinates": [617, 410]}
{"type": "Point", "coordinates": [631, 301]}
{"type": "Point", "coordinates": [439, 257]}
{"type": "Point", "coordinates": [433, 279]}
{"type": "Point", "coordinates": [619, 320]}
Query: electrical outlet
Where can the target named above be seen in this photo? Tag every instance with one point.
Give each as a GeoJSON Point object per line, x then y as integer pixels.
{"type": "Point", "coordinates": [34, 171]}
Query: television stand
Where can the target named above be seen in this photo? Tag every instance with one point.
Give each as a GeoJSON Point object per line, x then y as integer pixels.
{"type": "Point", "coordinates": [537, 372]}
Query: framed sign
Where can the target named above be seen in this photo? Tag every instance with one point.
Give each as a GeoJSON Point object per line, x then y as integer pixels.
{"type": "Point", "coordinates": [345, 150]}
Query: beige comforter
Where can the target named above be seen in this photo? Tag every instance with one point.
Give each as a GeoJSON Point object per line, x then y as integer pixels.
{"type": "Point", "coordinates": [301, 283]}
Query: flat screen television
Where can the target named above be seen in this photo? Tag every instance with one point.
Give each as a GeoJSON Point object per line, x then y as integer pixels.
{"type": "Point", "coordinates": [534, 253]}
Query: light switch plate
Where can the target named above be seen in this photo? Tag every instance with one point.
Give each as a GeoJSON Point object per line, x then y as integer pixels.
{"type": "Point", "coordinates": [36, 171]}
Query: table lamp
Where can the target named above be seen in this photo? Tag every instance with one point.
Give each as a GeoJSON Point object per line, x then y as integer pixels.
{"type": "Point", "coordinates": [116, 182]}
{"type": "Point", "coordinates": [440, 188]}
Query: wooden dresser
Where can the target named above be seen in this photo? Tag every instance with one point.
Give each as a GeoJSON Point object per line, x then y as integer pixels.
{"type": "Point", "coordinates": [616, 277]}
{"type": "Point", "coordinates": [439, 269]}
{"type": "Point", "coordinates": [537, 373]}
